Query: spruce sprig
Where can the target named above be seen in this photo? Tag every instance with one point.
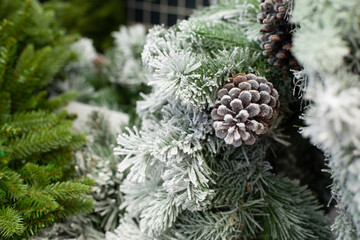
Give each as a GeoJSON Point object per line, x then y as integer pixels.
{"type": "Point", "coordinates": [36, 139]}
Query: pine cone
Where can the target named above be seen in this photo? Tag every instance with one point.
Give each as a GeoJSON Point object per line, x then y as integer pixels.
{"type": "Point", "coordinates": [99, 60]}
{"type": "Point", "coordinates": [276, 39]}
{"type": "Point", "coordinates": [245, 108]}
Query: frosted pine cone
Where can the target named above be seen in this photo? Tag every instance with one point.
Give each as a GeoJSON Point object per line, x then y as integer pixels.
{"type": "Point", "coordinates": [245, 108]}
{"type": "Point", "coordinates": [276, 39]}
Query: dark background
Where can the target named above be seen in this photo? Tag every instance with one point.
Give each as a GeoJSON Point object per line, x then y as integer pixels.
{"type": "Point", "coordinates": [97, 19]}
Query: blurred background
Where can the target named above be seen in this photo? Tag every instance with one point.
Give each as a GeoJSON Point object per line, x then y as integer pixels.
{"type": "Point", "coordinates": [97, 19]}
{"type": "Point", "coordinates": [161, 11]}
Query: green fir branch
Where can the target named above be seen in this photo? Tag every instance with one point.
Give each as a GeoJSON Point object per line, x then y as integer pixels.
{"type": "Point", "coordinates": [35, 143]}
{"type": "Point", "coordinates": [66, 190]}
{"type": "Point", "coordinates": [291, 212]}
{"type": "Point", "coordinates": [6, 53]}
{"type": "Point", "coordinates": [30, 79]}
{"type": "Point", "coordinates": [78, 205]}
{"type": "Point", "coordinates": [60, 157]}
{"type": "Point", "coordinates": [11, 223]}
{"type": "Point", "coordinates": [43, 140]}
{"type": "Point", "coordinates": [28, 121]}
{"type": "Point", "coordinates": [35, 175]}
{"type": "Point", "coordinates": [12, 184]}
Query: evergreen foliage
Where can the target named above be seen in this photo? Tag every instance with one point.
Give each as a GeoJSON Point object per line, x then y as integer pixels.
{"type": "Point", "coordinates": [36, 141]}
{"type": "Point", "coordinates": [182, 182]}
{"type": "Point", "coordinates": [327, 44]}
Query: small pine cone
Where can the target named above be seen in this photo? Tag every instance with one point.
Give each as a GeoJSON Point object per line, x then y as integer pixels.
{"type": "Point", "coordinates": [276, 35]}
{"type": "Point", "coordinates": [245, 108]}
{"type": "Point", "coordinates": [99, 61]}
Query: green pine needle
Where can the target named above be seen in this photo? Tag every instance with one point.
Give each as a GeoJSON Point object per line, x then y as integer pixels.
{"type": "Point", "coordinates": [11, 223]}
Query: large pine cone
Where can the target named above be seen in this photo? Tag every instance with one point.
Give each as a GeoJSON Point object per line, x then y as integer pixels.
{"type": "Point", "coordinates": [276, 39]}
{"type": "Point", "coordinates": [245, 108]}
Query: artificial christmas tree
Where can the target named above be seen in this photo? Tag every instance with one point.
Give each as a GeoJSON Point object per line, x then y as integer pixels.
{"type": "Point", "coordinates": [183, 182]}
{"type": "Point", "coordinates": [36, 184]}
{"type": "Point", "coordinates": [198, 165]}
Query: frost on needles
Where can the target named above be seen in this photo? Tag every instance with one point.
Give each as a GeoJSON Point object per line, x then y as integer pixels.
{"type": "Point", "coordinates": [327, 44]}
{"type": "Point", "coordinates": [182, 182]}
